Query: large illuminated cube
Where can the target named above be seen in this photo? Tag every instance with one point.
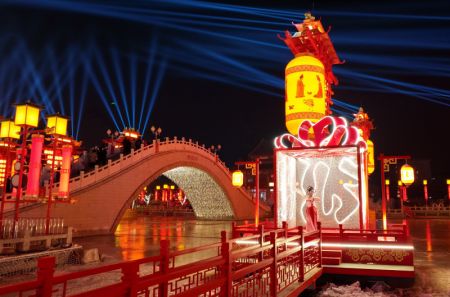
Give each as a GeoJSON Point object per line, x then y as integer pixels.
{"type": "Point", "coordinates": [338, 177]}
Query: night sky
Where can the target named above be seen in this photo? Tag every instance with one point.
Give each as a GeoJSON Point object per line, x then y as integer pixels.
{"type": "Point", "coordinates": [218, 68]}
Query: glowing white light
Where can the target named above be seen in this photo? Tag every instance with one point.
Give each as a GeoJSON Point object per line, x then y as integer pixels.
{"type": "Point", "coordinates": [369, 246]}
{"type": "Point", "coordinates": [308, 244]}
{"type": "Point", "coordinates": [323, 169]}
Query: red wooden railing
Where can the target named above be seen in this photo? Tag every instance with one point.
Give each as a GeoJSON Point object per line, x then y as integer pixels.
{"type": "Point", "coordinates": [397, 233]}
{"type": "Point", "coordinates": [264, 264]}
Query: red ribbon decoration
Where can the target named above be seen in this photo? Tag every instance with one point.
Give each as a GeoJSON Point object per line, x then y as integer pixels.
{"type": "Point", "coordinates": [328, 132]}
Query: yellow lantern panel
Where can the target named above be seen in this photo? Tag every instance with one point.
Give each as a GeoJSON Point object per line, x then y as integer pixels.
{"type": "Point", "coordinates": [407, 174]}
{"type": "Point", "coordinates": [305, 92]}
{"type": "Point", "coordinates": [387, 182]}
{"type": "Point", "coordinates": [27, 115]}
{"type": "Point", "coordinates": [58, 123]}
{"type": "Point", "coordinates": [370, 157]}
{"type": "Point", "coordinates": [9, 130]}
{"type": "Point", "coordinates": [237, 178]}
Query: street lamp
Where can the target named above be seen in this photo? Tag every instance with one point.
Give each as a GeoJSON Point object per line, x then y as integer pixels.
{"type": "Point", "coordinates": [425, 191]}
{"type": "Point", "coordinates": [407, 174]}
{"type": "Point", "coordinates": [406, 179]}
{"type": "Point", "coordinates": [156, 132]}
{"type": "Point", "coordinates": [254, 166]}
{"type": "Point", "coordinates": [448, 188]}
{"type": "Point", "coordinates": [237, 178]}
{"type": "Point", "coordinates": [113, 136]}
{"type": "Point", "coordinates": [26, 116]}
{"type": "Point", "coordinates": [215, 150]}
{"type": "Point", "coordinates": [403, 193]}
{"type": "Point", "coordinates": [385, 162]}
{"type": "Point", "coordinates": [57, 126]}
{"type": "Point", "coordinates": [387, 183]}
{"type": "Point", "coordinates": [8, 131]}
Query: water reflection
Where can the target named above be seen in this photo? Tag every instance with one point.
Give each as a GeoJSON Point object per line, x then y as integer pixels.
{"type": "Point", "coordinates": [138, 237]}
{"type": "Point", "coordinates": [428, 230]}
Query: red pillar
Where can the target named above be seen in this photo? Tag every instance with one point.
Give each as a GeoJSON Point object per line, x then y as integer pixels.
{"type": "Point", "coordinates": [257, 193]}
{"type": "Point", "coordinates": [34, 168]}
{"type": "Point", "coordinates": [388, 194]}
{"type": "Point", "coordinates": [425, 192]}
{"type": "Point", "coordinates": [66, 153]}
{"type": "Point", "coordinates": [448, 188]}
{"type": "Point", "coordinates": [23, 153]}
{"type": "Point", "coordinates": [383, 193]}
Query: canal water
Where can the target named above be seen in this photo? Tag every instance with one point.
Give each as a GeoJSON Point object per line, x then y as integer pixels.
{"type": "Point", "coordinates": [139, 236]}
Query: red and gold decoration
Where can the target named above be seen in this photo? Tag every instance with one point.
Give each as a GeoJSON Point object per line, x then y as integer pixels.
{"type": "Point", "coordinates": [378, 256]}
{"type": "Point", "coordinates": [365, 125]}
{"type": "Point", "coordinates": [328, 132]}
{"type": "Point", "coordinates": [309, 75]}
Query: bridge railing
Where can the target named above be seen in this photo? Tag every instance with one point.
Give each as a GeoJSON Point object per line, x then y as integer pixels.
{"type": "Point", "coordinates": [421, 211]}
{"type": "Point", "coordinates": [260, 265]}
{"type": "Point", "coordinates": [112, 167]}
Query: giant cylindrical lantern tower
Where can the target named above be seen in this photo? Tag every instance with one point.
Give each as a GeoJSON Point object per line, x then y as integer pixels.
{"type": "Point", "coordinates": [309, 75]}
{"type": "Point", "coordinates": [305, 91]}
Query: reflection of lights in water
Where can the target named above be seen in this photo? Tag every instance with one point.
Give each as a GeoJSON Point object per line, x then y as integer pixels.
{"type": "Point", "coordinates": [428, 236]}
{"type": "Point", "coordinates": [131, 241]}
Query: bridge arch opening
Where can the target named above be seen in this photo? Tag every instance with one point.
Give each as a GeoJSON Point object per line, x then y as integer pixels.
{"type": "Point", "coordinates": [206, 197]}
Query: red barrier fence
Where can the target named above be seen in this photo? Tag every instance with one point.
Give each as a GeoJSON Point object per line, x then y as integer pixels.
{"type": "Point", "coordinates": [265, 264]}
{"type": "Point", "coordinates": [397, 233]}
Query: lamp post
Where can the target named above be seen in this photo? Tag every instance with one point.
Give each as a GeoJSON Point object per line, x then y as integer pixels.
{"type": "Point", "coordinates": [407, 178]}
{"type": "Point", "coordinates": [215, 149]}
{"type": "Point", "coordinates": [156, 132]}
{"type": "Point", "coordinates": [26, 116]}
{"type": "Point", "coordinates": [113, 137]}
{"type": "Point", "coordinates": [57, 125]}
{"type": "Point", "coordinates": [448, 188]}
{"type": "Point", "coordinates": [425, 191]}
{"type": "Point", "coordinates": [254, 166]}
{"type": "Point", "coordinates": [385, 161]}
{"type": "Point", "coordinates": [403, 194]}
{"type": "Point", "coordinates": [388, 195]}
{"type": "Point", "coordinates": [8, 132]}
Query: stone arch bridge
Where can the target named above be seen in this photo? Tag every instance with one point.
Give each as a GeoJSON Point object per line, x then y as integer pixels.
{"type": "Point", "coordinates": [103, 195]}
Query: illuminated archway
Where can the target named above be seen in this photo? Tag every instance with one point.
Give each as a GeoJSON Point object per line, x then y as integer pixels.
{"type": "Point", "coordinates": [207, 198]}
